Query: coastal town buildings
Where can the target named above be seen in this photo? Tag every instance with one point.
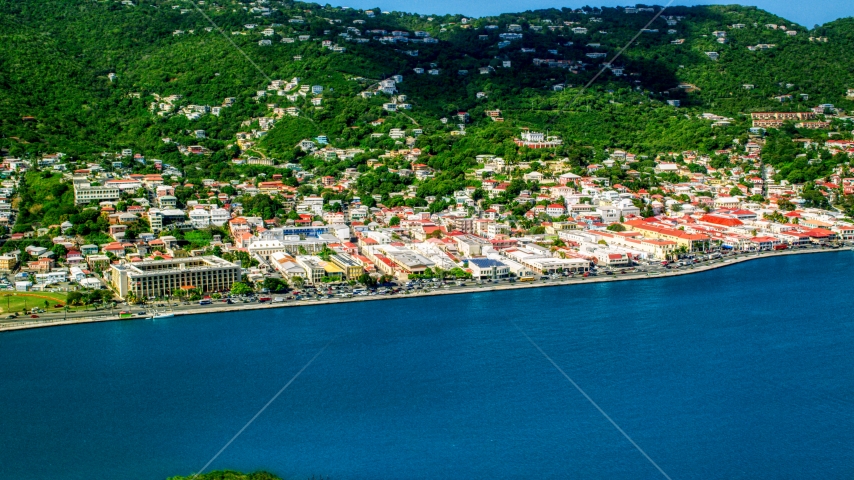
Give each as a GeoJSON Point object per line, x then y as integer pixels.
{"type": "Point", "coordinates": [369, 205]}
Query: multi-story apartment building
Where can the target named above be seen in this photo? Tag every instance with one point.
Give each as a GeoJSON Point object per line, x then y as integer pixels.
{"type": "Point", "coordinates": [200, 218]}
{"type": "Point", "coordinates": [8, 263]}
{"type": "Point", "coordinates": [85, 193]}
{"type": "Point", "coordinates": [776, 119]}
{"type": "Point", "coordinates": [159, 278]}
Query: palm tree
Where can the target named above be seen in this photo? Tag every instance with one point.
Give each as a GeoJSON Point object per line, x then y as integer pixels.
{"type": "Point", "coordinates": [680, 250]}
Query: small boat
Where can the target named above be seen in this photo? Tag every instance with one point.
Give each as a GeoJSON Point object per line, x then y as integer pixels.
{"type": "Point", "coordinates": [157, 316]}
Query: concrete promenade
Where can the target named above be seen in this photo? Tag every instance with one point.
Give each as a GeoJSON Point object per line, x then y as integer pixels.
{"type": "Point", "coordinates": [472, 288]}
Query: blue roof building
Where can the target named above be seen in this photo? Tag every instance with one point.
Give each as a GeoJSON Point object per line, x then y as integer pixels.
{"type": "Point", "coordinates": [484, 268]}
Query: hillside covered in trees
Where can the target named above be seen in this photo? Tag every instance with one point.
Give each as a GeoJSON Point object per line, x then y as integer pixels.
{"type": "Point", "coordinates": [84, 78]}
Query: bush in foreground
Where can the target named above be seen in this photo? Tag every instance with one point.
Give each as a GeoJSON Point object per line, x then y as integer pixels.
{"type": "Point", "coordinates": [230, 475]}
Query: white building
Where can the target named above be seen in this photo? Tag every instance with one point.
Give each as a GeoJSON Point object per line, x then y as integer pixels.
{"type": "Point", "coordinates": [51, 278]}
{"type": "Point", "coordinates": [219, 216]}
{"type": "Point", "coordinates": [287, 266]}
{"type": "Point", "coordinates": [200, 218]}
{"type": "Point", "coordinates": [86, 193]}
{"type": "Point", "coordinates": [484, 268]}
{"type": "Point", "coordinates": [313, 266]}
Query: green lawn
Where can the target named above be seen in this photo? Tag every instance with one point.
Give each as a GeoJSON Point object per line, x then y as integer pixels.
{"type": "Point", "coordinates": [20, 301]}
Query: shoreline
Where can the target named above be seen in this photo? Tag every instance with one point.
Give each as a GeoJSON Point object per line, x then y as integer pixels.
{"type": "Point", "coordinates": [27, 325]}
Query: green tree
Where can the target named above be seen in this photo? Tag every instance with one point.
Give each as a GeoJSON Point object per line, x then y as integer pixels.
{"type": "Point", "coordinates": [786, 205]}
{"type": "Point", "coordinates": [275, 285]}
{"type": "Point", "coordinates": [229, 475]}
{"type": "Point", "coordinates": [240, 288]}
{"type": "Point", "coordinates": [59, 250]}
{"type": "Point", "coordinates": [367, 280]}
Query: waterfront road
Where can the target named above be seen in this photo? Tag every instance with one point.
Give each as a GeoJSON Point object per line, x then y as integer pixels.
{"type": "Point", "coordinates": [646, 271]}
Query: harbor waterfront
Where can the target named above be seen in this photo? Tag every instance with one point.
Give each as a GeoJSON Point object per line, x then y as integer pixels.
{"type": "Point", "coordinates": [23, 324]}
{"type": "Point", "coordinates": [279, 240]}
{"type": "Point", "coordinates": [739, 372]}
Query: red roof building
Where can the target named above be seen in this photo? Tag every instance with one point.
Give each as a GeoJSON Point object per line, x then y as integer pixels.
{"type": "Point", "coordinates": [722, 220]}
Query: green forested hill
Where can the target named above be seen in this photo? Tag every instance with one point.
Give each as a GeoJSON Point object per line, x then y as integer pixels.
{"type": "Point", "coordinates": [57, 55]}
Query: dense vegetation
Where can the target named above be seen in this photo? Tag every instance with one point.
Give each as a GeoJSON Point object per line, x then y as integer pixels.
{"type": "Point", "coordinates": [230, 475]}
{"type": "Point", "coordinates": [44, 199]}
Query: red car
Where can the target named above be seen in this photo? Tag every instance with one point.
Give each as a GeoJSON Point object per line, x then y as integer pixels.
{"type": "Point", "coordinates": [34, 316]}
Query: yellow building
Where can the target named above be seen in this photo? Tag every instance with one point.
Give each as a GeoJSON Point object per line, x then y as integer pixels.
{"type": "Point", "coordinates": [351, 268]}
{"type": "Point", "coordinates": [333, 272]}
{"type": "Point", "coordinates": [556, 227]}
{"type": "Point", "coordinates": [8, 263]}
{"type": "Point", "coordinates": [98, 262]}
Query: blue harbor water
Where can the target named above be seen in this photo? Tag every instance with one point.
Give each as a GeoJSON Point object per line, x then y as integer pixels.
{"type": "Point", "coordinates": [745, 372]}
